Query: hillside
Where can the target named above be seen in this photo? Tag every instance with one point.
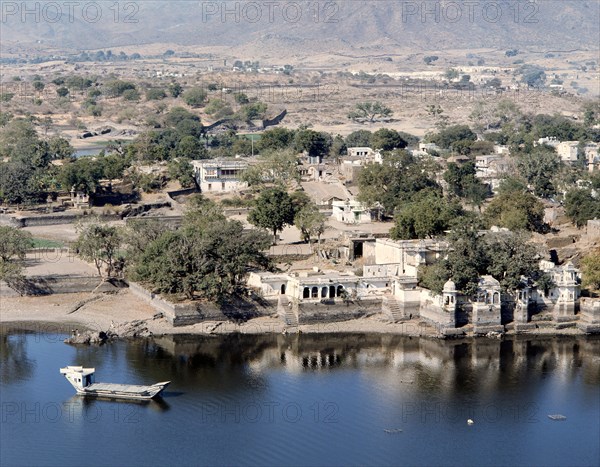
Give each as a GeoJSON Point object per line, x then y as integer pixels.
{"type": "Point", "coordinates": [352, 27]}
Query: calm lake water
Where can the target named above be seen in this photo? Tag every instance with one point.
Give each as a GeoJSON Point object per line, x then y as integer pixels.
{"type": "Point", "coordinates": [305, 400]}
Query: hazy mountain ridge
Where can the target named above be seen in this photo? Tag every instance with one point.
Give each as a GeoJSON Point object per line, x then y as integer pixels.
{"type": "Point", "coordinates": [561, 25]}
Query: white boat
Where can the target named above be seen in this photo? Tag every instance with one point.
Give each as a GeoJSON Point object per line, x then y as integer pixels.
{"type": "Point", "coordinates": [82, 379]}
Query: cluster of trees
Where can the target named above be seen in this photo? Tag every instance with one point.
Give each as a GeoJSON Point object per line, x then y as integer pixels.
{"type": "Point", "coordinates": [507, 256]}
{"type": "Point", "coordinates": [206, 258]}
{"type": "Point", "coordinates": [26, 172]}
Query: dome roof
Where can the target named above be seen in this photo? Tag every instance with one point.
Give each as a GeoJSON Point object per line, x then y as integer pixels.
{"type": "Point", "coordinates": [449, 286]}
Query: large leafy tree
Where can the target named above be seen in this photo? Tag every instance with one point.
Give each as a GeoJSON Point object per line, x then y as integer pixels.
{"type": "Point", "coordinates": [278, 167]}
{"type": "Point", "coordinates": [273, 210]}
{"type": "Point", "coordinates": [590, 270]}
{"type": "Point", "coordinates": [463, 183]}
{"type": "Point", "coordinates": [276, 139]}
{"type": "Point", "coordinates": [315, 143]}
{"type": "Point", "coordinates": [581, 206]}
{"type": "Point", "coordinates": [426, 217]}
{"type": "Point", "coordinates": [515, 209]}
{"type": "Point", "coordinates": [452, 135]}
{"type": "Point", "coordinates": [370, 111]}
{"type": "Point", "coordinates": [99, 243]}
{"type": "Point", "coordinates": [14, 244]}
{"type": "Point", "coordinates": [310, 222]}
{"type": "Point", "coordinates": [395, 181]}
{"type": "Point", "coordinates": [359, 138]}
{"type": "Point", "coordinates": [207, 258]}
{"type": "Point", "coordinates": [387, 140]}
{"type": "Point", "coordinates": [538, 167]}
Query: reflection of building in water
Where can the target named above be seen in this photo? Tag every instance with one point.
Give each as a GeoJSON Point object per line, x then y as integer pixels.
{"type": "Point", "coordinates": [401, 364]}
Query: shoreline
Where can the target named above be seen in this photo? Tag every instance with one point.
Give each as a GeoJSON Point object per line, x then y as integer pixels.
{"type": "Point", "coordinates": [66, 313]}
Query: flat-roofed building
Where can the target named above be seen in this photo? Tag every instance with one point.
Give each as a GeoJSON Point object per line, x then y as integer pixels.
{"type": "Point", "coordinates": [219, 175]}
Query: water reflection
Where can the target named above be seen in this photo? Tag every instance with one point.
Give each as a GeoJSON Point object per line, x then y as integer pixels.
{"type": "Point", "coordinates": [431, 364]}
{"type": "Point", "coordinates": [15, 364]}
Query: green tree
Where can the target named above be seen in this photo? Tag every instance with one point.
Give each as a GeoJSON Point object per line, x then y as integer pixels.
{"type": "Point", "coordinates": [275, 138]}
{"type": "Point", "coordinates": [253, 111]}
{"type": "Point", "coordinates": [62, 92]}
{"type": "Point", "coordinates": [511, 257]}
{"type": "Point", "coordinates": [273, 210]}
{"type": "Point", "coordinates": [463, 183]}
{"type": "Point", "coordinates": [99, 243]}
{"type": "Point", "coordinates": [38, 86]}
{"type": "Point", "coordinates": [370, 111]}
{"type": "Point", "coordinates": [397, 180]}
{"type": "Point", "coordinates": [581, 206]}
{"type": "Point", "coordinates": [315, 143]}
{"type": "Point", "coordinates": [387, 140]}
{"type": "Point", "coordinates": [279, 167]}
{"type": "Point", "coordinates": [426, 217]}
{"type": "Point", "coordinates": [132, 95]}
{"type": "Point", "coordinates": [310, 222]}
{"type": "Point", "coordinates": [218, 108]}
{"type": "Point", "coordinates": [467, 258]}
{"type": "Point", "coordinates": [538, 168]}
{"type": "Point", "coordinates": [207, 258]}
{"type": "Point", "coordinates": [14, 244]}
{"type": "Point", "coordinates": [195, 97]}
{"type": "Point", "coordinates": [590, 270]}
{"type": "Point", "coordinates": [181, 170]}
{"type": "Point", "coordinates": [155, 94]}
{"type": "Point", "coordinates": [116, 88]}
{"type": "Point", "coordinates": [175, 89]}
{"type": "Point", "coordinates": [451, 135]}
{"type": "Point", "coordinates": [516, 210]}
{"type": "Point", "coordinates": [359, 139]}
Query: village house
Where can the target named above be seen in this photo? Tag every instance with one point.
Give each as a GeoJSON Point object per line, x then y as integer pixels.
{"type": "Point", "coordinates": [491, 168]}
{"type": "Point", "coordinates": [567, 151]}
{"type": "Point", "coordinates": [219, 175]}
{"type": "Point", "coordinates": [351, 212]}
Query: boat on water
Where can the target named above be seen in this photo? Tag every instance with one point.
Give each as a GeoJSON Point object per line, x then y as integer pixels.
{"type": "Point", "coordinates": [82, 379]}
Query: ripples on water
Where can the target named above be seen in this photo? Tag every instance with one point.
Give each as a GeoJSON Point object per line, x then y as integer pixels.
{"type": "Point", "coordinates": [305, 400]}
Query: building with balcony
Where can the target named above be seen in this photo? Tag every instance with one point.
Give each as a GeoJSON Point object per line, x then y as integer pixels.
{"type": "Point", "coordinates": [220, 175]}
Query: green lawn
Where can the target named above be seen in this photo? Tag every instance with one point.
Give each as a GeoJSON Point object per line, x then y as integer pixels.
{"type": "Point", "coordinates": [43, 243]}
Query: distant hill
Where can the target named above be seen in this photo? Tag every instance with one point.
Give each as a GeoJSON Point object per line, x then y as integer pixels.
{"type": "Point", "coordinates": [342, 26]}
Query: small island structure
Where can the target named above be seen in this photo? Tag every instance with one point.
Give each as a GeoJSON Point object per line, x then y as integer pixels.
{"type": "Point", "coordinates": [82, 379]}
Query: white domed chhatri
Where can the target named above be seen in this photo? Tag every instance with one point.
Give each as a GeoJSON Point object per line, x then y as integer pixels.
{"type": "Point", "coordinates": [449, 286]}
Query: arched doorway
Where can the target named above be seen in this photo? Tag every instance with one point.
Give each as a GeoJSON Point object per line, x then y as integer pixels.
{"type": "Point", "coordinates": [282, 289]}
{"type": "Point", "coordinates": [340, 290]}
{"type": "Point", "coordinates": [306, 293]}
{"type": "Point", "coordinates": [315, 292]}
{"type": "Point", "coordinates": [324, 292]}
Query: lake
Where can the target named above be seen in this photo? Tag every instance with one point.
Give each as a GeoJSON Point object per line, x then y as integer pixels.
{"type": "Point", "coordinates": [305, 400]}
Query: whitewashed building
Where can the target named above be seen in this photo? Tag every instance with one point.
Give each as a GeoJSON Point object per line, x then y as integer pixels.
{"type": "Point", "coordinates": [219, 175]}
{"type": "Point", "coordinates": [351, 212]}
{"type": "Point", "coordinates": [567, 151]}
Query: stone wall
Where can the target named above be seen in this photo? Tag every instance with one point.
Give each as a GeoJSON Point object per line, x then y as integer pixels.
{"type": "Point", "coordinates": [329, 311]}
{"type": "Point", "coordinates": [187, 313]}
{"type": "Point", "coordinates": [55, 284]}
{"type": "Point", "coordinates": [52, 219]}
{"type": "Point", "coordinates": [589, 315]}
